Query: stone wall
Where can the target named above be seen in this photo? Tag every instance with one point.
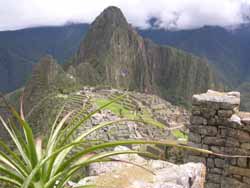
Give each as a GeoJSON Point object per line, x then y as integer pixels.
{"type": "Point", "coordinates": [217, 125]}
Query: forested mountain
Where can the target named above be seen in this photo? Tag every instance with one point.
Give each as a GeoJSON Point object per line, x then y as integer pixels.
{"type": "Point", "coordinates": [226, 49]}
{"type": "Point", "coordinates": [114, 54]}
{"type": "Point", "coordinates": [20, 49]}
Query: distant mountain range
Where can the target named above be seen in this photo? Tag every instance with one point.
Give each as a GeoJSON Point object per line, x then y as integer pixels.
{"type": "Point", "coordinates": [227, 51]}
{"type": "Point", "coordinates": [21, 49]}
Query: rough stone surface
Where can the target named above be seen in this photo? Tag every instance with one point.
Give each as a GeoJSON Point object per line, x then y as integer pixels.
{"type": "Point", "coordinates": [153, 173]}
{"type": "Point", "coordinates": [227, 101]}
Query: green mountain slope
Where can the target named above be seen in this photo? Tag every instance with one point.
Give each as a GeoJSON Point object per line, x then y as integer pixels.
{"type": "Point", "coordinates": [48, 77]}
{"type": "Point", "coordinates": [116, 55]}
{"type": "Point", "coordinates": [227, 50]}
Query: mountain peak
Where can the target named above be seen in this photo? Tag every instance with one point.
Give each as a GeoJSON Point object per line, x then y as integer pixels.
{"type": "Point", "coordinates": [112, 9]}
{"type": "Point", "coordinates": [114, 54]}
{"type": "Point", "coordinates": [110, 25]}
{"type": "Point", "coordinates": [111, 15]}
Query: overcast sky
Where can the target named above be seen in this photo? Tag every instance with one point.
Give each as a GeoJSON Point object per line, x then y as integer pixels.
{"type": "Point", "coordinates": [181, 14]}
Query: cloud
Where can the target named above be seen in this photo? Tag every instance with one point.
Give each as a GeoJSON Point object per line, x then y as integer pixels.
{"type": "Point", "coordinates": [178, 14]}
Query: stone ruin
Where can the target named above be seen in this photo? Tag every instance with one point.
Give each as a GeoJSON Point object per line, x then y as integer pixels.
{"type": "Point", "coordinates": [218, 125]}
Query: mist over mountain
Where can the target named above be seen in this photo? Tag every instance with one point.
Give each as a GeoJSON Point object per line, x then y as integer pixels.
{"type": "Point", "coordinates": [113, 54]}
{"type": "Point", "coordinates": [177, 14]}
{"type": "Point", "coordinates": [225, 49]}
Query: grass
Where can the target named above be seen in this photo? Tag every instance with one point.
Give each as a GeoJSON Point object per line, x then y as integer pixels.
{"type": "Point", "coordinates": [116, 108]}
{"type": "Point", "coordinates": [179, 135]}
{"type": "Point", "coordinates": [63, 96]}
{"type": "Point", "coordinates": [120, 111]}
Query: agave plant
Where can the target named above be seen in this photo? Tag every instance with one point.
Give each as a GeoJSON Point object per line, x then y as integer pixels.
{"type": "Point", "coordinates": [51, 165]}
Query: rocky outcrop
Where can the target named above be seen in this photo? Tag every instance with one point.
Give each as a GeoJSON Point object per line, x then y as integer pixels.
{"type": "Point", "coordinates": [149, 173]}
{"type": "Point", "coordinates": [219, 126]}
{"type": "Point", "coordinates": [47, 78]}
{"type": "Point", "coordinates": [43, 94]}
{"type": "Point", "coordinates": [113, 53]}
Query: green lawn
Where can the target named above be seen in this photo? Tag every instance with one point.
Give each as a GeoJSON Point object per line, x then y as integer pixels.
{"type": "Point", "coordinates": [116, 108]}
{"type": "Point", "coordinates": [119, 110]}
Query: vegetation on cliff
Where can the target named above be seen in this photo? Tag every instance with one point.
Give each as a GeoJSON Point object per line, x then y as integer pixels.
{"type": "Point", "coordinates": [118, 56]}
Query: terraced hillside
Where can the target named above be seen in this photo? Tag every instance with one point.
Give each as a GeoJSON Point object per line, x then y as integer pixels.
{"type": "Point", "coordinates": [133, 105]}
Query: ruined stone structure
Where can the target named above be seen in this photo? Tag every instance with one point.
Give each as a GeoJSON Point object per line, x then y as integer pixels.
{"type": "Point", "coordinates": [217, 125]}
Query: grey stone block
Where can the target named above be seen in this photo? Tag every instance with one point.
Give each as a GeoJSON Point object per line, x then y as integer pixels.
{"type": "Point", "coordinates": [214, 178]}
{"type": "Point", "coordinates": [219, 163]}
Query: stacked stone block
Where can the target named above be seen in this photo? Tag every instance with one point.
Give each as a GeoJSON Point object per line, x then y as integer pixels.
{"type": "Point", "coordinates": [217, 125]}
